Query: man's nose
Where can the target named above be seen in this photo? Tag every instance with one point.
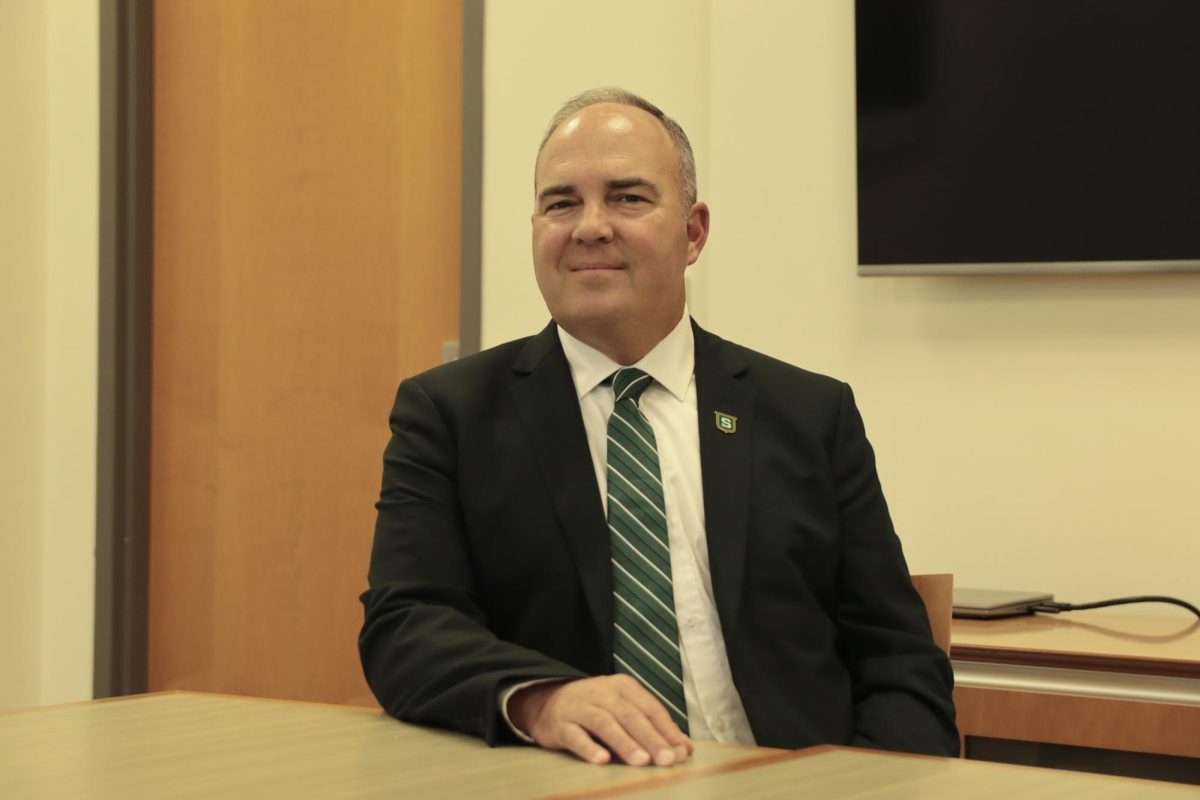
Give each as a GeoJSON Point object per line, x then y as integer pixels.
{"type": "Point", "coordinates": [593, 224]}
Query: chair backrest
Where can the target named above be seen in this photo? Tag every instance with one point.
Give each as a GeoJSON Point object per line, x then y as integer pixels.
{"type": "Point", "coordinates": [937, 591]}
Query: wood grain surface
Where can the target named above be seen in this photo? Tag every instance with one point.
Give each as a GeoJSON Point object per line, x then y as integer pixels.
{"type": "Point", "coordinates": [1167, 646]}
{"type": "Point", "coordinates": [184, 745]}
{"type": "Point", "coordinates": [306, 238]}
{"type": "Point", "coordinates": [870, 775]}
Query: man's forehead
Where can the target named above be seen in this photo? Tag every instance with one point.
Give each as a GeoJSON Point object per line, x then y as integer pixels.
{"type": "Point", "coordinates": [609, 117]}
{"type": "Point", "coordinates": [605, 118]}
{"type": "Point", "coordinates": [617, 135]}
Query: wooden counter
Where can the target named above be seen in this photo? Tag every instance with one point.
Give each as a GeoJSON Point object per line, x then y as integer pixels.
{"type": "Point", "coordinates": [1085, 679]}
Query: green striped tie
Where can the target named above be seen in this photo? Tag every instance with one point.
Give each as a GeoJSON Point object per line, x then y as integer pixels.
{"type": "Point", "coordinates": [645, 636]}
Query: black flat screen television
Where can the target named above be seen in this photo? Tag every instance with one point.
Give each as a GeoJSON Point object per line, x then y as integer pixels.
{"type": "Point", "coordinates": [1028, 135]}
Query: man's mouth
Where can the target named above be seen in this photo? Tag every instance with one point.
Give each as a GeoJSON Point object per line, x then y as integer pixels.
{"type": "Point", "coordinates": [594, 266]}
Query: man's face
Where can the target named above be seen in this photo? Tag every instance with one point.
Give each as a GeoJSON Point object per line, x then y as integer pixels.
{"type": "Point", "coordinates": [611, 238]}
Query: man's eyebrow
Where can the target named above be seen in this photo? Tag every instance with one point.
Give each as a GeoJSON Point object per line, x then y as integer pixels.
{"type": "Point", "coordinates": [615, 183]}
{"type": "Point", "coordinates": [550, 191]}
{"type": "Point", "coordinates": [631, 183]}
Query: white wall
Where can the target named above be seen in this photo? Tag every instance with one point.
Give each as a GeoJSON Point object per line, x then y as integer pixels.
{"type": "Point", "coordinates": [1032, 432]}
{"type": "Point", "coordinates": [48, 297]}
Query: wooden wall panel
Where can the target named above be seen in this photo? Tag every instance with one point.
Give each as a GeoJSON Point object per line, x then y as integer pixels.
{"type": "Point", "coordinates": [1082, 721]}
{"type": "Point", "coordinates": [307, 172]}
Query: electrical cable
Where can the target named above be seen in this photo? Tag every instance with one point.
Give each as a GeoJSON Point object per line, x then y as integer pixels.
{"type": "Point", "coordinates": [1052, 607]}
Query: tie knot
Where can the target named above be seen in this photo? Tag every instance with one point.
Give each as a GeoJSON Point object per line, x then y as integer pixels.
{"type": "Point", "coordinates": [629, 383]}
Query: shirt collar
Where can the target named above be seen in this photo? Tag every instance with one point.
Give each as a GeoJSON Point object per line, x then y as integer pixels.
{"type": "Point", "coordinates": [671, 361]}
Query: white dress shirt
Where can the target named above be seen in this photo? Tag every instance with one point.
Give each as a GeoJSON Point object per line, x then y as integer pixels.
{"type": "Point", "coordinates": [714, 707]}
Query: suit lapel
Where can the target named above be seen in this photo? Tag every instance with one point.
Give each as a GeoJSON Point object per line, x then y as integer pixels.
{"type": "Point", "coordinates": [725, 459]}
{"type": "Point", "coordinates": [545, 397]}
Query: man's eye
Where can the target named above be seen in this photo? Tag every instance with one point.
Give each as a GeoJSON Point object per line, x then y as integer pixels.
{"type": "Point", "coordinates": [558, 205]}
{"type": "Point", "coordinates": [630, 198]}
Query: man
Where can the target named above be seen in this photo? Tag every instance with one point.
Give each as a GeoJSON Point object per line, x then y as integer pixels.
{"type": "Point", "coordinates": [708, 526]}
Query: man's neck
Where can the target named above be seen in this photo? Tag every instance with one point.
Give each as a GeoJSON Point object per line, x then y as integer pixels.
{"type": "Point", "coordinates": [624, 347]}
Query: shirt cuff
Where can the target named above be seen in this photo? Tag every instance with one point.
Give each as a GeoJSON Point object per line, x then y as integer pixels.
{"type": "Point", "coordinates": [506, 694]}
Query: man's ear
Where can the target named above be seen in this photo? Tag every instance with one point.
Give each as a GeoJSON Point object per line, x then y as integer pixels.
{"type": "Point", "coordinates": [697, 231]}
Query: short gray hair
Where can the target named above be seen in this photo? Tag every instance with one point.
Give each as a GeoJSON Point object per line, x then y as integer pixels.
{"type": "Point", "coordinates": [612, 94]}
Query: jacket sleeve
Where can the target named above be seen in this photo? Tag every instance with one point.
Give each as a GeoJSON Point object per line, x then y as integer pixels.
{"type": "Point", "coordinates": [902, 681]}
{"type": "Point", "coordinates": [426, 649]}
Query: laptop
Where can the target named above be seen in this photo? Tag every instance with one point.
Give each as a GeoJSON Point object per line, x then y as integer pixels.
{"type": "Point", "coordinates": [994, 603]}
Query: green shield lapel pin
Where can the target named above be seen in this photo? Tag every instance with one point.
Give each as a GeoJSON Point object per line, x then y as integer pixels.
{"type": "Point", "coordinates": [726, 423]}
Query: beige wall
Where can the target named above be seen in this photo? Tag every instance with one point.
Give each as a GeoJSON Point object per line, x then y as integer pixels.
{"type": "Point", "coordinates": [72, 291]}
{"type": "Point", "coordinates": [22, 338]}
{"type": "Point", "coordinates": [48, 222]}
{"type": "Point", "coordinates": [1031, 432]}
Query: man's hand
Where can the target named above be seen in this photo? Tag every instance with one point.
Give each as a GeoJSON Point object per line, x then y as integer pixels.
{"type": "Point", "coordinates": [612, 710]}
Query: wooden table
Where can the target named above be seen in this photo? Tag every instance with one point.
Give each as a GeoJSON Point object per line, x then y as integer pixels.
{"type": "Point", "coordinates": [1085, 679]}
{"type": "Point", "coordinates": [184, 745]}
{"type": "Point", "coordinates": [848, 774]}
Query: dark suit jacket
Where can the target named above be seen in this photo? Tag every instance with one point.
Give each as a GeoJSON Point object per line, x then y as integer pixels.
{"type": "Point", "coordinates": [491, 554]}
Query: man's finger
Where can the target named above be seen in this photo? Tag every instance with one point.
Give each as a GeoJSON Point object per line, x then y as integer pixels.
{"type": "Point", "coordinates": [576, 740]}
{"type": "Point", "coordinates": [664, 725]}
{"type": "Point", "coordinates": [591, 714]}
{"type": "Point", "coordinates": [624, 729]}
{"type": "Point", "coordinates": [646, 731]}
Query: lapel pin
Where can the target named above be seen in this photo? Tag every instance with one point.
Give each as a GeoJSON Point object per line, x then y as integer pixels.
{"type": "Point", "coordinates": [726, 423]}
